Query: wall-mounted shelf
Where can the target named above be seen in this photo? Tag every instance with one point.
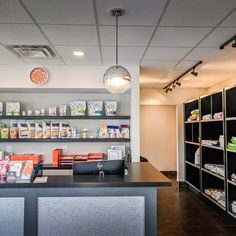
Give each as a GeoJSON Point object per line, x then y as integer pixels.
{"type": "Point", "coordinates": [110, 140]}
{"type": "Point", "coordinates": [212, 120]}
{"type": "Point", "coordinates": [213, 147]}
{"type": "Point", "coordinates": [64, 117]}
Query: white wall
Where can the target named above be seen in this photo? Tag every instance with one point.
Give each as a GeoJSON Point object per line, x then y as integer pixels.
{"type": "Point", "coordinates": [75, 77]}
{"type": "Point", "coordinates": [177, 97]}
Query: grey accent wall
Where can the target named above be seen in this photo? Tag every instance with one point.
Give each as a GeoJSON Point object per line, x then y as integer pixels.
{"type": "Point", "coordinates": [91, 216]}
{"type": "Point", "coordinates": [11, 216]}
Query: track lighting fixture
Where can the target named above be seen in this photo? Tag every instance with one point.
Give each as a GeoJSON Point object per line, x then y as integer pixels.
{"type": "Point", "coordinates": [175, 82]}
{"type": "Point", "coordinates": [194, 73]}
{"type": "Point", "coordinates": [228, 42]}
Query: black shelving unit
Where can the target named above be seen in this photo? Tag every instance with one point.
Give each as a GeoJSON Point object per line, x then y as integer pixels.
{"type": "Point", "coordinates": [230, 98]}
{"type": "Point", "coordinates": [192, 144]}
{"type": "Point", "coordinates": [199, 177]}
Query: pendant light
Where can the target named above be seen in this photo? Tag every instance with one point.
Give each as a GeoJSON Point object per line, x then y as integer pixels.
{"type": "Point", "coordinates": [117, 78]}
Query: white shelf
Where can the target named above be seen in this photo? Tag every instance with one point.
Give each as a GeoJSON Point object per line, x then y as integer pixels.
{"type": "Point", "coordinates": [190, 163]}
{"type": "Point", "coordinates": [214, 201]}
{"type": "Point", "coordinates": [190, 122]}
{"type": "Point", "coordinates": [214, 147]}
{"type": "Point", "coordinates": [211, 120]}
{"type": "Point", "coordinates": [229, 150]}
{"type": "Point", "coordinates": [214, 174]}
{"type": "Point", "coordinates": [232, 214]}
{"type": "Point", "coordinates": [188, 142]}
{"type": "Point", "coordinates": [231, 182]}
{"type": "Point", "coordinates": [231, 118]}
{"type": "Point", "coordinates": [192, 186]}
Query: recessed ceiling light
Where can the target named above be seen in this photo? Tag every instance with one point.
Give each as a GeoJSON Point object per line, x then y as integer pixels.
{"type": "Point", "coordinates": [79, 53]}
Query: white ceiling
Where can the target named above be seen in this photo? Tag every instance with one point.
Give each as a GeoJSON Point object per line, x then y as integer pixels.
{"type": "Point", "coordinates": [164, 37]}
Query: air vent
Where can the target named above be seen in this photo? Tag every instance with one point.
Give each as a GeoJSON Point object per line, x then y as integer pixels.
{"type": "Point", "coordinates": [33, 51]}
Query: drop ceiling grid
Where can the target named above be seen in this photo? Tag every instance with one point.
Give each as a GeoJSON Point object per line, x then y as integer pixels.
{"type": "Point", "coordinates": [150, 25]}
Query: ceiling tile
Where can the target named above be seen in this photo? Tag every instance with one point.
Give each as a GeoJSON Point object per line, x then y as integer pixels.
{"type": "Point", "coordinates": [159, 64]}
{"type": "Point", "coordinates": [185, 65]}
{"type": "Point", "coordinates": [230, 20]}
{"type": "Point", "coordinates": [165, 53]}
{"type": "Point", "coordinates": [179, 36]}
{"type": "Point", "coordinates": [196, 13]}
{"type": "Point", "coordinates": [124, 63]}
{"type": "Point", "coordinates": [66, 52]}
{"type": "Point", "coordinates": [206, 54]}
{"type": "Point", "coordinates": [6, 54]}
{"type": "Point", "coordinates": [6, 61]}
{"type": "Point", "coordinates": [218, 37]}
{"type": "Point", "coordinates": [21, 34]}
{"type": "Point", "coordinates": [42, 62]}
{"type": "Point", "coordinates": [13, 12]}
{"type": "Point", "coordinates": [125, 53]}
{"type": "Point", "coordinates": [83, 62]}
{"type": "Point", "coordinates": [137, 12]}
{"type": "Point", "coordinates": [128, 36]}
{"type": "Point", "coordinates": [71, 34]}
{"type": "Point", "coordinates": [61, 11]}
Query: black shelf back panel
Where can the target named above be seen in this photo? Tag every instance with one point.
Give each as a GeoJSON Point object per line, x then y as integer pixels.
{"type": "Point", "coordinates": [217, 103]}
{"type": "Point", "coordinates": [231, 159]}
{"type": "Point", "coordinates": [210, 181]}
{"type": "Point", "coordinates": [192, 176]}
{"type": "Point", "coordinates": [212, 156]}
{"type": "Point", "coordinates": [205, 106]}
{"type": "Point", "coordinates": [212, 130]}
{"type": "Point", "coordinates": [189, 107]}
{"type": "Point", "coordinates": [230, 102]}
{"type": "Point", "coordinates": [190, 150]}
{"type": "Point", "coordinates": [232, 193]}
{"type": "Point", "coordinates": [231, 129]}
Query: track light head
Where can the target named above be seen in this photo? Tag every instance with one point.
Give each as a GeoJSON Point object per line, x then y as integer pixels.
{"type": "Point", "coordinates": [178, 83]}
{"type": "Point", "coordinates": [194, 73]}
{"type": "Point", "coordinates": [234, 44]}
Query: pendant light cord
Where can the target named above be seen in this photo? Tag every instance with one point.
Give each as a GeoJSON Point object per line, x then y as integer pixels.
{"type": "Point", "coordinates": [117, 39]}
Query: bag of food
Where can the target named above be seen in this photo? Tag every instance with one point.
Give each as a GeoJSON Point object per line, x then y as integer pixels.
{"type": "Point", "coordinates": [38, 129]}
{"type": "Point", "coordinates": [31, 129]}
{"type": "Point", "coordinates": [4, 133]}
{"type": "Point", "coordinates": [95, 108]}
{"type": "Point", "coordinates": [110, 108]}
{"type": "Point", "coordinates": [12, 108]}
{"type": "Point", "coordinates": [64, 126]}
{"type": "Point", "coordinates": [124, 131]}
{"type": "Point", "coordinates": [46, 129]}
{"type": "Point", "coordinates": [102, 131]}
{"type": "Point", "coordinates": [62, 110]}
{"type": "Point", "coordinates": [55, 127]}
{"type": "Point", "coordinates": [14, 130]}
{"type": "Point", "coordinates": [78, 108]}
{"type": "Point", "coordinates": [23, 129]}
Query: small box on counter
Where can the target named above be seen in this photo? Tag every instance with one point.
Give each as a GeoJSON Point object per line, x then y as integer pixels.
{"type": "Point", "coordinates": [36, 158]}
{"type": "Point", "coordinates": [56, 156]}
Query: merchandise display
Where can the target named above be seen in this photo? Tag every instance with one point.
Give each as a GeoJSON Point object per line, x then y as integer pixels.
{"type": "Point", "coordinates": [216, 194]}
{"type": "Point", "coordinates": [218, 115]}
{"type": "Point", "coordinates": [232, 145]}
{"type": "Point", "coordinates": [111, 131]}
{"type": "Point", "coordinates": [194, 115]}
{"type": "Point", "coordinates": [12, 108]}
{"type": "Point", "coordinates": [207, 117]}
{"type": "Point", "coordinates": [214, 143]}
{"type": "Point", "coordinates": [216, 168]}
{"type": "Point", "coordinates": [78, 108]}
{"type": "Point", "coordinates": [233, 206]}
{"type": "Point", "coordinates": [110, 108]}
{"type": "Point", "coordinates": [95, 108]}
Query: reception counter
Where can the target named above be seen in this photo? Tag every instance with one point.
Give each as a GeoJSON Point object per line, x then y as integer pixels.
{"type": "Point", "coordinates": [84, 205]}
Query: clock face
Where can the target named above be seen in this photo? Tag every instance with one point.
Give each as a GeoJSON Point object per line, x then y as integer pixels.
{"type": "Point", "coordinates": [39, 76]}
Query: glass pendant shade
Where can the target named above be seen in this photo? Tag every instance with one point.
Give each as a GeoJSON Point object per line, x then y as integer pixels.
{"type": "Point", "coordinates": [117, 79]}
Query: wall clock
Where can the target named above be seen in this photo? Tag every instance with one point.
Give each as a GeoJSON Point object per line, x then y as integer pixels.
{"type": "Point", "coordinates": [39, 76]}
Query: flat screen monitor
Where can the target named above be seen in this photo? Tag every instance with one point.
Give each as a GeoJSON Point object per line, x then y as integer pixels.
{"type": "Point", "coordinates": [109, 167]}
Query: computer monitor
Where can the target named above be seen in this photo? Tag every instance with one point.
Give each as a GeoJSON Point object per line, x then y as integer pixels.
{"type": "Point", "coordinates": [108, 167]}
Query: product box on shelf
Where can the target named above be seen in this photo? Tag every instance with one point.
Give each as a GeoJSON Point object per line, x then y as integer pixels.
{"type": "Point", "coordinates": [56, 156]}
{"type": "Point", "coordinates": [36, 158]}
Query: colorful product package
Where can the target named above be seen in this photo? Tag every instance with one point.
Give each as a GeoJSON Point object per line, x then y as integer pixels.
{"type": "Point", "coordinates": [55, 128]}
{"type": "Point", "coordinates": [110, 108]}
{"type": "Point", "coordinates": [95, 108]}
{"type": "Point", "coordinates": [14, 134]}
{"type": "Point", "coordinates": [46, 129]}
{"type": "Point", "coordinates": [31, 129]}
{"type": "Point", "coordinates": [4, 133]}
{"type": "Point", "coordinates": [12, 108]}
{"type": "Point", "coordinates": [23, 129]}
{"type": "Point", "coordinates": [124, 131]}
{"type": "Point", "coordinates": [38, 129]}
{"type": "Point", "coordinates": [102, 131]}
{"type": "Point", "coordinates": [64, 126]}
{"type": "Point", "coordinates": [78, 108]}
{"type": "Point", "coordinates": [110, 131]}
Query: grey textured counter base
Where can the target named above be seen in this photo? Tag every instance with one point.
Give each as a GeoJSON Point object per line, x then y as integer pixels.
{"type": "Point", "coordinates": [90, 206]}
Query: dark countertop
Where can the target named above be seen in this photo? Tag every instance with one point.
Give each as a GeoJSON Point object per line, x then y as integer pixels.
{"type": "Point", "coordinates": [140, 175]}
